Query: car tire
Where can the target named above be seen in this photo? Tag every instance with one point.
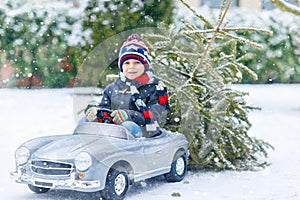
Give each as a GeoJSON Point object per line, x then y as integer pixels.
{"type": "Point", "coordinates": [38, 190]}
{"type": "Point", "coordinates": [117, 185]}
{"type": "Point", "coordinates": [178, 169]}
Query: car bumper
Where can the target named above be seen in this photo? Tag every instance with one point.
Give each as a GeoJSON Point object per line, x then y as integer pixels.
{"type": "Point", "coordinates": [63, 183]}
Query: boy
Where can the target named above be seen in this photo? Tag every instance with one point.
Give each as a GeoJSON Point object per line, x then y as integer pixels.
{"type": "Point", "coordinates": [137, 98]}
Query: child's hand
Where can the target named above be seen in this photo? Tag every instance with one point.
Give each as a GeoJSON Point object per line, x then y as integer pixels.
{"type": "Point", "coordinates": [119, 116]}
{"type": "Point", "coordinates": [91, 114]}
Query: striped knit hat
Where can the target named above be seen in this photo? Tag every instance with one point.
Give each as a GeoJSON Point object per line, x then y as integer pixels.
{"type": "Point", "coordinates": [134, 48]}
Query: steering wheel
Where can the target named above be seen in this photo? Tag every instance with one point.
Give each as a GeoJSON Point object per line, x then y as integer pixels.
{"type": "Point", "coordinates": [103, 116]}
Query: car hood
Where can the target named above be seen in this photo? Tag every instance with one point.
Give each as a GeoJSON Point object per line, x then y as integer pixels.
{"type": "Point", "coordinates": [70, 146]}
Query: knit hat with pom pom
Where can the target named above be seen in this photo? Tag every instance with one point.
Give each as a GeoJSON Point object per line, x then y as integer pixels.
{"type": "Point", "coordinates": [134, 48]}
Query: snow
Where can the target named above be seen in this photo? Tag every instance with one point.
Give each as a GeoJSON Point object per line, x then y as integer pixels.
{"type": "Point", "coordinates": [26, 114]}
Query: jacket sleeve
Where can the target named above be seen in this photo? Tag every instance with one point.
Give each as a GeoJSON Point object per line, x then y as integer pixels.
{"type": "Point", "coordinates": [150, 112]}
{"type": "Point", "coordinates": [137, 117]}
{"type": "Point", "coordinates": [159, 102]}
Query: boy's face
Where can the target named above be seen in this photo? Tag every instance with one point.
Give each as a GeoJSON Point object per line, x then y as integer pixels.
{"type": "Point", "coordinates": [133, 69]}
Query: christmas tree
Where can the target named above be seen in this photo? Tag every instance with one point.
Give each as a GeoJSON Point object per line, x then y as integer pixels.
{"type": "Point", "coordinates": [198, 66]}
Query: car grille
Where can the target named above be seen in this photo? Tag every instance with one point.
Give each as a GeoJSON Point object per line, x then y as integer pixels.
{"type": "Point", "coordinates": [51, 168]}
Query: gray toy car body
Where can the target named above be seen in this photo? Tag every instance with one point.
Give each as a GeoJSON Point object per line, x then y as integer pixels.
{"type": "Point", "coordinates": [99, 157]}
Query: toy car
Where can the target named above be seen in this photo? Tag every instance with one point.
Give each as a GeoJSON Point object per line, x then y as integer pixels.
{"type": "Point", "coordinates": [99, 157]}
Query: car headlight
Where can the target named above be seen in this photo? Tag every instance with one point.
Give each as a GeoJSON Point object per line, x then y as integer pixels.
{"type": "Point", "coordinates": [83, 161]}
{"type": "Point", "coordinates": [22, 154]}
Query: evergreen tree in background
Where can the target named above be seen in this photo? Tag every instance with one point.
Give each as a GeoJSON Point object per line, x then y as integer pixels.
{"type": "Point", "coordinates": [279, 61]}
{"type": "Point", "coordinates": [197, 65]}
{"type": "Point", "coordinates": [33, 43]}
{"type": "Point", "coordinates": [107, 18]}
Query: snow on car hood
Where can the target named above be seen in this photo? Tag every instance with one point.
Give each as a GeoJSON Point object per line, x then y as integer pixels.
{"type": "Point", "coordinates": [68, 147]}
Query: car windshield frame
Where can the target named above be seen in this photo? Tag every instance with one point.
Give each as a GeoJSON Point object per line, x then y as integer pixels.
{"type": "Point", "coordinates": [102, 129]}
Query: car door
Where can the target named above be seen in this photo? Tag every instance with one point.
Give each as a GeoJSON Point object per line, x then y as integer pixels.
{"type": "Point", "coordinates": [158, 152]}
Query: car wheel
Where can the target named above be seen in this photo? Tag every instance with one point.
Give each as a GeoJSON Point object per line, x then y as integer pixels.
{"type": "Point", "coordinates": [178, 170]}
{"type": "Point", "coordinates": [117, 184]}
{"type": "Point", "coordinates": [38, 190]}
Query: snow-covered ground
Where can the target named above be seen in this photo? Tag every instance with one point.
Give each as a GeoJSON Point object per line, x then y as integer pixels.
{"type": "Point", "coordinates": [25, 114]}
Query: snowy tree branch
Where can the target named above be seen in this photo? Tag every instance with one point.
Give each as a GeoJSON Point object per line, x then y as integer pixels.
{"type": "Point", "coordinates": [239, 29]}
{"type": "Point", "coordinates": [243, 40]}
{"type": "Point", "coordinates": [249, 30]}
{"type": "Point", "coordinates": [288, 7]}
{"type": "Point", "coordinates": [208, 46]}
{"type": "Point", "coordinates": [207, 23]}
{"type": "Point", "coordinates": [224, 32]}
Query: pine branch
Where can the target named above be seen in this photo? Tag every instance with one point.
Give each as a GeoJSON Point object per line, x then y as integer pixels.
{"type": "Point", "coordinates": [176, 70]}
{"type": "Point", "coordinates": [192, 28]}
{"type": "Point", "coordinates": [207, 48]}
{"type": "Point", "coordinates": [181, 53]}
{"type": "Point", "coordinates": [243, 40]}
{"type": "Point", "coordinates": [247, 69]}
{"type": "Point", "coordinates": [249, 30]}
{"type": "Point", "coordinates": [288, 7]}
{"type": "Point", "coordinates": [207, 23]}
{"type": "Point", "coordinates": [199, 31]}
{"type": "Point", "coordinates": [169, 83]}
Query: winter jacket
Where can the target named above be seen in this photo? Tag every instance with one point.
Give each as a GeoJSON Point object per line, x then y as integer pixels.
{"type": "Point", "coordinates": [119, 95]}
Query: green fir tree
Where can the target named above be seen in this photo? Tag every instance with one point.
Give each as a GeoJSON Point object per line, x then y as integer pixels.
{"type": "Point", "coordinates": [33, 41]}
{"type": "Point", "coordinates": [198, 65]}
{"type": "Point", "coordinates": [107, 18]}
